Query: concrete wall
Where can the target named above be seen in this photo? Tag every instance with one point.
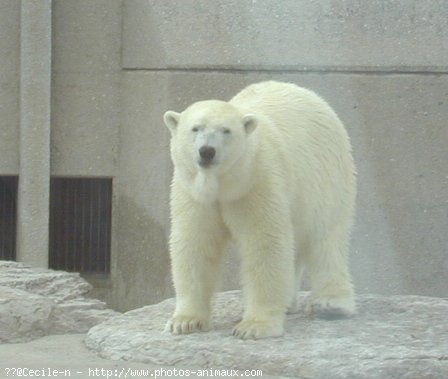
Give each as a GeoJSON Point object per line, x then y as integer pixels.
{"type": "Point", "coordinates": [86, 87]}
{"type": "Point", "coordinates": [119, 65]}
{"type": "Point", "coordinates": [285, 34]}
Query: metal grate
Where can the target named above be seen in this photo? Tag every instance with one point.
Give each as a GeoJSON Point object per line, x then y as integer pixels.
{"type": "Point", "coordinates": [80, 224]}
{"type": "Point", "coordinates": [8, 217]}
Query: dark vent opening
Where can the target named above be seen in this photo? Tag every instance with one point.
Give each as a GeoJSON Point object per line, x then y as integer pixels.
{"type": "Point", "coordinates": [80, 224]}
{"type": "Point", "coordinates": [8, 217]}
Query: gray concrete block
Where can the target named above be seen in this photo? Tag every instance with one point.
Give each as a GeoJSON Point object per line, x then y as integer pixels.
{"type": "Point", "coordinates": [86, 87]}
{"type": "Point", "coordinates": [140, 261]}
{"type": "Point", "coordinates": [86, 35]}
{"type": "Point", "coordinates": [85, 123]}
{"type": "Point", "coordinates": [9, 86]}
{"type": "Point", "coordinates": [287, 34]}
{"type": "Point", "coordinates": [398, 128]}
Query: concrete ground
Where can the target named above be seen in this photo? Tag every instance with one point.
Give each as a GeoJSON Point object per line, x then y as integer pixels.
{"type": "Point", "coordinates": [67, 356]}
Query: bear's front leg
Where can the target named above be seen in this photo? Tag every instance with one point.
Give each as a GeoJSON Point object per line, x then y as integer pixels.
{"type": "Point", "coordinates": [197, 240]}
{"type": "Point", "coordinates": [267, 253]}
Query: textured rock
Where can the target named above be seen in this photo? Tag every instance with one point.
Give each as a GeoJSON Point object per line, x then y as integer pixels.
{"type": "Point", "coordinates": [23, 316]}
{"type": "Point", "coordinates": [59, 285]}
{"type": "Point", "coordinates": [38, 302]}
{"type": "Point", "coordinates": [391, 337]}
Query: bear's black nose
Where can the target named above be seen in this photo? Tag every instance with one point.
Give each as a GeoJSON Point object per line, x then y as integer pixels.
{"type": "Point", "coordinates": [207, 153]}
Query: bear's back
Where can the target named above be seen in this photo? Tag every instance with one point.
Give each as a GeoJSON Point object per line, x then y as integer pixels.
{"type": "Point", "coordinates": [301, 116]}
{"type": "Point", "coordinates": [280, 101]}
{"type": "Point", "coordinates": [314, 145]}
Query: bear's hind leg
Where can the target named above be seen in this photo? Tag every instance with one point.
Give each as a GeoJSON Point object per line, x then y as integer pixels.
{"type": "Point", "coordinates": [331, 286]}
{"type": "Point", "coordinates": [294, 306]}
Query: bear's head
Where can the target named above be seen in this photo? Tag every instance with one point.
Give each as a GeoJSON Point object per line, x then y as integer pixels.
{"type": "Point", "coordinates": [209, 135]}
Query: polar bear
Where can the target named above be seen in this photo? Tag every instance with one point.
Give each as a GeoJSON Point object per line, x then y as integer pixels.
{"type": "Point", "coordinates": [272, 169]}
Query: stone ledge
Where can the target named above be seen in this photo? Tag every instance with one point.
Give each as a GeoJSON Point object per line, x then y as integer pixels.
{"type": "Point", "coordinates": [39, 302]}
{"type": "Point", "coordinates": [395, 336]}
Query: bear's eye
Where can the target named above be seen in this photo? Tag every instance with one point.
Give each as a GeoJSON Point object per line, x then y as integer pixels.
{"type": "Point", "coordinates": [195, 129]}
{"type": "Point", "coordinates": [226, 131]}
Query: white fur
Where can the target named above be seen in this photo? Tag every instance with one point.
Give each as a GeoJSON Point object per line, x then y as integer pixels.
{"type": "Point", "coordinates": [282, 185]}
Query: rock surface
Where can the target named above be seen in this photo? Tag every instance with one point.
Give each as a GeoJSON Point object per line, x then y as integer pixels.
{"type": "Point", "coordinates": [38, 302]}
{"type": "Point", "coordinates": [391, 337]}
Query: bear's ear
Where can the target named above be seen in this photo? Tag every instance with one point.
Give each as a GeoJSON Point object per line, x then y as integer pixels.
{"type": "Point", "coordinates": [250, 122]}
{"type": "Point", "coordinates": [171, 120]}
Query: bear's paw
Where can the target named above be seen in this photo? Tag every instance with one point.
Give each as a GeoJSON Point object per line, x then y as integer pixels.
{"type": "Point", "coordinates": [186, 324]}
{"type": "Point", "coordinates": [255, 329]}
{"type": "Point", "coordinates": [294, 306]}
{"type": "Point", "coordinates": [332, 308]}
